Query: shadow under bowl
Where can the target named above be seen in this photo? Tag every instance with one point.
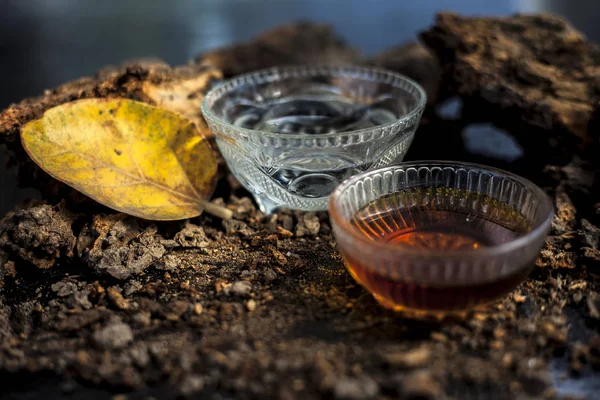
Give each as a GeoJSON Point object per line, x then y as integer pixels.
{"type": "Point", "coordinates": [290, 135]}
{"type": "Point", "coordinates": [439, 237]}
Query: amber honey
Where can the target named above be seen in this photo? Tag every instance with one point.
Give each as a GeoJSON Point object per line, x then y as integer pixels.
{"type": "Point", "coordinates": [436, 220]}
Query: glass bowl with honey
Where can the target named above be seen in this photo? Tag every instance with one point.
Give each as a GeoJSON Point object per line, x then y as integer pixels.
{"type": "Point", "coordinates": [437, 237]}
{"type": "Point", "coordinates": [292, 134]}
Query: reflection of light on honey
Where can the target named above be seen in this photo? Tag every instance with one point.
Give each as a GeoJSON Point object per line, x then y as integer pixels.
{"type": "Point", "coordinates": [436, 225]}
{"type": "Point", "coordinates": [429, 240]}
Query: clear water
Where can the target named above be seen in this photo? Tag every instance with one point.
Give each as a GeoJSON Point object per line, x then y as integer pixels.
{"type": "Point", "coordinates": [315, 176]}
{"type": "Point", "coordinates": [314, 111]}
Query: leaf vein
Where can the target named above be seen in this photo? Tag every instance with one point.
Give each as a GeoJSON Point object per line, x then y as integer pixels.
{"type": "Point", "coordinates": [146, 180]}
{"type": "Point", "coordinates": [166, 205]}
{"type": "Point", "coordinates": [112, 186]}
{"type": "Point", "coordinates": [60, 153]}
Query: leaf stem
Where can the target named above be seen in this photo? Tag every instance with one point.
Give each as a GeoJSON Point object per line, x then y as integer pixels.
{"type": "Point", "coordinates": [217, 211]}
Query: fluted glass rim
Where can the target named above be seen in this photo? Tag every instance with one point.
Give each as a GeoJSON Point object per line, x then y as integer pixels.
{"type": "Point", "coordinates": [346, 227]}
{"type": "Point", "coordinates": [275, 73]}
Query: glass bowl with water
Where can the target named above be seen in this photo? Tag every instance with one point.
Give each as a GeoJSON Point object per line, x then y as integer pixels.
{"type": "Point", "coordinates": [290, 135]}
{"type": "Point", "coordinates": [439, 237]}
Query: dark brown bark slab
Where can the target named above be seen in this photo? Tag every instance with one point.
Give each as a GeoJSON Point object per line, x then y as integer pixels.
{"type": "Point", "coordinates": [309, 43]}
{"type": "Point", "coordinates": [533, 69]}
{"type": "Point", "coordinates": [415, 61]}
{"type": "Point", "coordinates": [39, 235]}
{"type": "Point", "coordinates": [295, 43]}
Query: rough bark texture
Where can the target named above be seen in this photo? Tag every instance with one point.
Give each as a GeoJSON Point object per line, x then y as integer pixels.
{"type": "Point", "coordinates": [536, 69]}
{"type": "Point", "coordinates": [262, 306]}
{"type": "Point", "coordinates": [296, 43]}
{"type": "Point", "coordinates": [95, 303]}
{"type": "Point", "coordinates": [40, 235]}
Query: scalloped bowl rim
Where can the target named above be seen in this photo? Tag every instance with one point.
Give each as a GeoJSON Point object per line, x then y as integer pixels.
{"type": "Point", "coordinates": [315, 70]}
{"type": "Point", "coordinates": [503, 248]}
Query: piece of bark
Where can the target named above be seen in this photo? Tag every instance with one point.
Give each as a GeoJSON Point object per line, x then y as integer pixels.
{"type": "Point", "coordinates": [119, 245]}
{"type": "Point", "coordinates": [179, 89]}
{"type": "Point", "coordinates": [415, 61]}
{"type": "Point", "coordinates": [39, 235]}
{"type": "Point", "coordinates": [531, 69]}
{"type": "Point", "coordinates": [294, 43]}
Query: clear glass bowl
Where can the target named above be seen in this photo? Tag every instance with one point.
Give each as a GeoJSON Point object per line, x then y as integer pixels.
{"type": "Point", "coordinates": [290, 135]}
{"type": "Point", "coordinates": [439, 237]}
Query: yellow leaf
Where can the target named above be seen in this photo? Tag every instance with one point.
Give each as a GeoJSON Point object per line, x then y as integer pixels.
{"type": "Point", "coordinates": [142, 160]}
